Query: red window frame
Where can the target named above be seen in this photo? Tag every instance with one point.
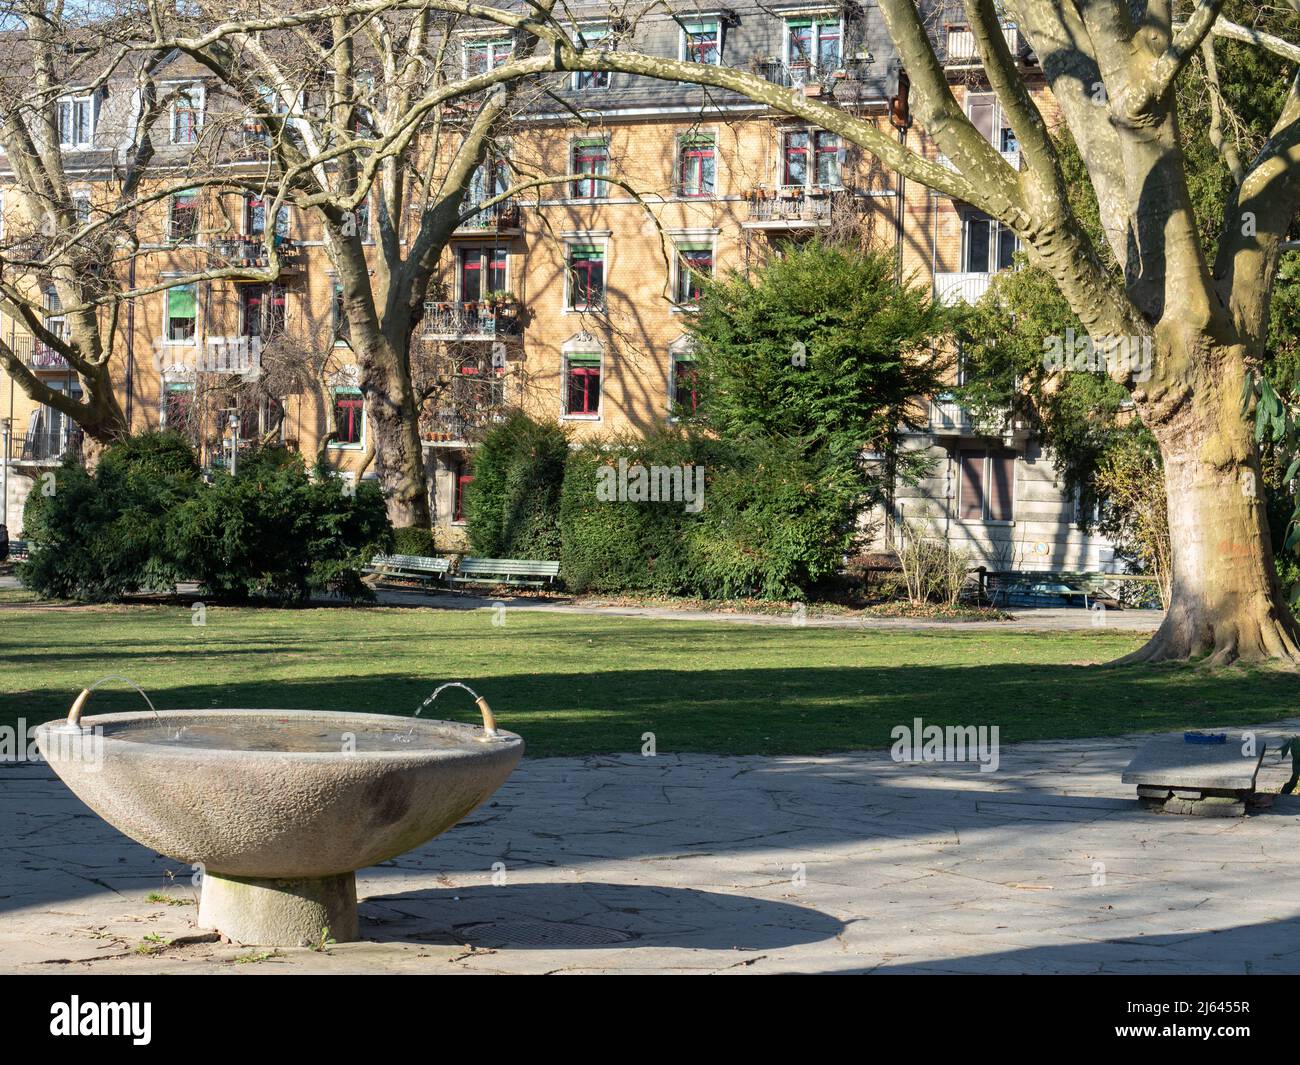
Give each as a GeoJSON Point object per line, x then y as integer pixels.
{"type": "Point", "coordinates": [586, 282]}
{"type": "Point", "coordinates": [582, 389]}
{"type": "Point", "coordinates": [463, 481]}
{"type": "Point", "coordinates": [349, 406]}
{"type": "Point", "coordinates": [593, 159]}
{"type": "Point", "coordinates": [704, 47]}
{"type": "Point", "coordinates": [693, 263]}
{"type": "Point", "coordinates": [694, 157]}
{"type": "Point", "coordinates": [685, 384]}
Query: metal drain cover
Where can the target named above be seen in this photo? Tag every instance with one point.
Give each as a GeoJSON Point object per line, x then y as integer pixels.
{"type": "Point", "coordinates": [539, 934]}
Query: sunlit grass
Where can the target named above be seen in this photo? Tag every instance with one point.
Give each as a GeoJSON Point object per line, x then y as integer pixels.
{"type": "Point", "coordinates": [579, 684]}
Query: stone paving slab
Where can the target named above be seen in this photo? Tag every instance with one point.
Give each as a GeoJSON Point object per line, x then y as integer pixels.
{"type": "Point", "coordinates": [694, 863]}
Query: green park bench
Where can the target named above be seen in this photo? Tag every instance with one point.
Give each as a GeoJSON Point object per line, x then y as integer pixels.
{"type": "Point", "coordinates": [517, 571]}
{"type": "Point", "coordinates": [410, 567]}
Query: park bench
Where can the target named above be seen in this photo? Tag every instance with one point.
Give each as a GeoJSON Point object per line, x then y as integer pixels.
{"type": "Point", "coordinates": [517, 571]}
{"type": "Point", "coordinates": [410, 567]}
{"type": "Point", "coordinates": [17, 550]}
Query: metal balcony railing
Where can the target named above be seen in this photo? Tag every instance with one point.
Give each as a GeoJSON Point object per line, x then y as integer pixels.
{"type": "Point", "coordinates": [500, 216]}
{"type": "Point", "coordinates": [811, 205]}
{"type": "Point", "coordinates": [41, 445]}
{"type": "Point", "coordinates": [958, 41]}
{"type": "Point", "coordinates": [792, 75]}
{"type": "Point", "coordinates": [244, 251]}
{"type": "Point", "coordinates": [470, 321]}
{"type": "Point", "coordinates": [37, 354]}
{"type": "Point", "coordinates": [957, 288]}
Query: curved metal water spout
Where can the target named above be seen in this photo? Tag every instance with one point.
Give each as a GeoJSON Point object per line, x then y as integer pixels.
{"type": "Point", "coordinates": [79, 705]}
{"type": "Point", "coordinates": [489, 719]}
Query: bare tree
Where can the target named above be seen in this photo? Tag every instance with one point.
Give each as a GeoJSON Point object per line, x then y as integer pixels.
{"type": "Point", "coordinates": [1111, 67]}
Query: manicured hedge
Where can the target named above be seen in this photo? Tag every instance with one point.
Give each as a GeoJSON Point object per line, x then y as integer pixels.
{"type": "Point", "coordinates": [144, 520]}
{"type": "Point", "coordinates": [512, 506]}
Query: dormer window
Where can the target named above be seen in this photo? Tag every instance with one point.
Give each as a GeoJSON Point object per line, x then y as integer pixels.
{"type": "Point", "coordinates": [591, 37]}
{"type": "Point", "coordinates": [813, 47]}
{"type": "Point", "coordinates": [483, 55]}
{"type": "Point", "coordinates": [702, 41]}
{"type": "Point", "coordinates": [76, 119]}
{"type": "Point", "coordinates": [187, 114]}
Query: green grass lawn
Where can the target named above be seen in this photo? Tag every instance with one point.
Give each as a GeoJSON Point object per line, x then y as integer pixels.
{"type": "Point", "coordinates": [578, 684]}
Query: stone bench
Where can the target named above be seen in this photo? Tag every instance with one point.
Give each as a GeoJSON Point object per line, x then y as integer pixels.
{"type": "Point", "coordinates": [1176, 776]}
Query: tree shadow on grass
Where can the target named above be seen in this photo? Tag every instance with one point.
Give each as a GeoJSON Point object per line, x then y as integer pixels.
{"type": "Point", "coordinates": [784, 708]}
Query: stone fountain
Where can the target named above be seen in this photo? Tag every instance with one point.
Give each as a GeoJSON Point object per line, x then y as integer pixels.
{"type": "Point", "coordinates": [278, 808]}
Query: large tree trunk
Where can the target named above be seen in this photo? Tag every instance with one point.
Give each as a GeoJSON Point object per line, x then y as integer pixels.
{"type": "Point", "coordinates": [1227, 602]}
{"type": "Point", "coordinates": [394, 420]}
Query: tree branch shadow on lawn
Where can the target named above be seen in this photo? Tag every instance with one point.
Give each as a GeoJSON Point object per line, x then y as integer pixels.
{"type": "Point", "coordinates": [781, 709]}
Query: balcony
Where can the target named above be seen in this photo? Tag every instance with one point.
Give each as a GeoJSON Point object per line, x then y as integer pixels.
{"type": "Point", "coordinates": [811, 78]}
{"type": "Point", "coordinates": [470, 321]}
{"type": "Point", "coordinates": [252, 253]}
{"type": "Point", "coordinates": [45, 447]}
{"type": "Point", "coordinates": [37, 354]}
{"type": "Point", "coordinates": [231, 355]}
{"type": "Point", "coordinates": [948, 418]}
{"type": "Point", "coordinates": [960, 50]}
{"type": "Point", "coordinates": [799, 207]}
{"type": "Point", "coordinates": [954, 289]}
{"type": "Point", "coordinates": [504, 218]}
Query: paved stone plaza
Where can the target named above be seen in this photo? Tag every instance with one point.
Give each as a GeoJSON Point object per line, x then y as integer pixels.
{"type": "Point", "coordinates": [844, 863]}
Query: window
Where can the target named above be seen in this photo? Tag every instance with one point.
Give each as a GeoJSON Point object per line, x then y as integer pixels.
{"type": "Point", "coordinates": [697, 165]}
{"type": "Point", "coordinates": [342, 334]}
{"type": "Point", "coordinates": [178, 404]}
{"type": "Point", "coordinates": [591, 37]}
{"type": "Point", "coordinates": [482, 56]}
{"type": "Point", "coordinates": [702, 41]}
{"type": "Point", "coordinates": [261, 310]}
{"type": "Point", "coordinates": [76, 120]}
{"type": "Point", "coordinates": [694, 264]}
{"type": "Point", "coordinates": [985, 114]}
{"type": "Point", "coordinates": [590, 156]}
{"type": "Point", "coordinates": [812, 47]}
{"type": "Point", "coordinates": [481, 271]}
{"type": "Point", "coordinates": [463, 481]}
{"type": "Point", "coordinates": [361, 220]}
{"type": "Point", "coordinates": [987, 491]}
{"type": "Point", "coordinates": [255, 218]}
{"type": "Point", "coordinates": [586, 277]}
{"type": "Point", "coordinates": [81, 207]}
{"type": "Point", "coordinates": [685, 384]}
{"type": "Point", "coordinates": [183, 217]}
{"type": "Point", "coordinates": [810, 157]}
{"type": "Point", "coordinates": [187, 114]}
{"type": "Point", "coordinates": [987, 246]}
{"type": "Point", "coordinates": [582, 385]}
{"type": "Point", "coordinates": [491, 179]}
{"type": "Point", "coordinates": [349, 418]}
{"type": "Point", "coordinates": [182, 314]}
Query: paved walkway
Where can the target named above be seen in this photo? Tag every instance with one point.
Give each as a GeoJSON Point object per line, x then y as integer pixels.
{"type": "Point", "coordinates": [693, 863]}
{"type": "Point", "coordinates": [1026, 619]}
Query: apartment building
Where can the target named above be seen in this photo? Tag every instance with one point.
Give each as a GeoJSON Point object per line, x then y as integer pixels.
{"type": "Point", "coordinates": [571, 299]}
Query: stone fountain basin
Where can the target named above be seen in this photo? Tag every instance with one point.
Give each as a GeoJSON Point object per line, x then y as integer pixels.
{"type": "Point", "coordinates": [274, 793]}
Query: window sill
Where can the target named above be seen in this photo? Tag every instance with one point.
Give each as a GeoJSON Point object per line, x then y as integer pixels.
{"type": "Point", "coordinates": [580, 417]}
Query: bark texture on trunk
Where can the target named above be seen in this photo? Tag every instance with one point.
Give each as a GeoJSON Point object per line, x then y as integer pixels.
{"type": "Point", "coordinates": [1226, 601]}
{"type": "Point", "coordinates": [394, 421]}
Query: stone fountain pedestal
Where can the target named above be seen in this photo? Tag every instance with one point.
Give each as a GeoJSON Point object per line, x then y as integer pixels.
{"type": "Point", "coordinates": [295, 911]}
{"type": "Point", "coordinates": [286, 804]}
